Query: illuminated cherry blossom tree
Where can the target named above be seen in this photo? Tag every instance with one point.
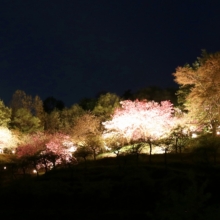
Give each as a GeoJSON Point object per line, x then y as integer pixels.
{"type": "Point", "coordinates": [45, 150]}
{"type": "Point", "coordinates": [8, 140]}
{"type": "Point", "coordinates": [29, 151]}
{"type": "Point", "coordinates": [57, 150]}
{"type": "Point", "coordinates": [141, 121]}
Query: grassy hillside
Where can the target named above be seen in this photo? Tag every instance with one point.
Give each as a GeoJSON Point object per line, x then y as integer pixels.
{"type": "Point", "coordinates": [116, 188]}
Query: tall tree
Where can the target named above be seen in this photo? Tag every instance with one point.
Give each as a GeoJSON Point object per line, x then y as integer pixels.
{"type": "Point", "coordinates": [50, 104]}
{"type": "Point", "coordinates": [52, 121]}
{"type": "Point", "coordinates": [203, 80]}
{"type": "Point", "coordinates": [5, 114]}
{"type": "Point", "coordinates": [106, 105]}
{"type": "Point", "coordinates": [69, 116]}
{"type": "Point", "coordinates": [20, 100]}
{"type": "Point", "coordinates": [88, 104]}
{"type": "Point", "coordinates": [38, 109]}
{"type": "Point", "coordinates": [25, 122]}
{"type": "Point", "coordinates": [127, 95]}
{"type": "Point", "coordinates": [62, 120]}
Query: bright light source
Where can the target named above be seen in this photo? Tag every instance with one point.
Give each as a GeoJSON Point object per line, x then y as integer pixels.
{"type": "Point", "coordinates": [7, 139]}
{"type": "Point", "coordinates": [72, 149]}
{"type": "Point", "coordinates": [218, 132]}
{"type": "Point", "coordinates": [34, 171]}
{"type": "Point", "coordinates": [4, 168]}
{"type": "Point", "coordinates": [192, 128]}
{"type": "Point", "coordinates": [194, 135]}
{"type": "Point", "coordinates": [107, 148]}
{"type": "Point", "coordinates": [185, 131]}
{"type": "Point", "coordinates": [157, 150]}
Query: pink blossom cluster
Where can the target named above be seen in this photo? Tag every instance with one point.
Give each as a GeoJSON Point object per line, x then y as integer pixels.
{"type": "Point", "coordinates": [47, 150]}
{"type": "Point", "coordinates": [144, 120]}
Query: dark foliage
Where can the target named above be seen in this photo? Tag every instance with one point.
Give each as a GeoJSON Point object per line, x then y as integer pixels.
{"type": "Point", "coordinates": [104, 189]}
{"type": "Point", "coordinates": [51, 104]}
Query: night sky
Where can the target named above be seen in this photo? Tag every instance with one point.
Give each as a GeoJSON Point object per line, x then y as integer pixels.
{"type": "Point", "coordinates": [72, 49]}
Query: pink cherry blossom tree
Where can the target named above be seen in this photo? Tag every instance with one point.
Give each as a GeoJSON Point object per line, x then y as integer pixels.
{"type": "Point", "coordinates": [8, 140]}
{"type": "Point", "coordinates": [45, 151]}
{"type": "Point", "coordinates": [141, 121]}
{"type": "Point", "coordinates": [56, 151]}
{"type": "Point", "coordinates": [29, 151]}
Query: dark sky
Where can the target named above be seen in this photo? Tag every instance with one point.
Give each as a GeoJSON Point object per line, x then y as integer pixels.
{"type": "Point", "coordinates": [72, 49]}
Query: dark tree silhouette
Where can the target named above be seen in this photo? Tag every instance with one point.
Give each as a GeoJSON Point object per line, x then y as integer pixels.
{"type": "Point", "coordinates": [51, 104]}
{"type": "Point", "coordinates": [87, 104]}
{"type": "Point", "coordinates": [127, 95]}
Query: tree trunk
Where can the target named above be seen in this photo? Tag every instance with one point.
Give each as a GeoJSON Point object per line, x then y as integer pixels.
{"type": "Point", "coordinates": [24, 170]}
{"type": "Point", "coordinates": [150, 145]}
{"type": "Point", "coordinates": [180, 150]}
{"type": "Point", "coordinates": [214, 128]}
{"type": "Point", "coordinates": [54, 164]}
{"type": "Point", "coordinates": [84, 159]}
{"type": "Point", "coordinates": [45, 165]}
{"type": "Point", "coordinates": [117, 153]}
{"type": "Point", "coordinates": [35, 167]}
{"type": "Point", "coordinates": [46, 169]}
{"type": "Point", "coordinates": [94, 154]}
{"type": "Point", "coordinates": [165, 157]}
{"type": "Point", "coordinates": [176, 145]}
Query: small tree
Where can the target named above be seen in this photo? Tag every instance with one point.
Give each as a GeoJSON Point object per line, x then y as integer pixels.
{"type": "Point", "coordinates": [87, 132]}
{"type": "Point", "coordinates": [56, 152]}
{"type": "Point", "coordinates": [95, 143]}
{"type": "Point", "coordinates": [83, 152]}
{"type": "Point", "coordinates": [180, 137]}
{"type": "Point", "coordinates": [45, 150]}
{"type": "Point", "coordinates": [114, 142]}
{"type": "Point", "coordinates": [29, 152]}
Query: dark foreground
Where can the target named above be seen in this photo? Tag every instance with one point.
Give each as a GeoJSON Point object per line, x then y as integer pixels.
{"type": "Point", "coordinates": [107, 189]}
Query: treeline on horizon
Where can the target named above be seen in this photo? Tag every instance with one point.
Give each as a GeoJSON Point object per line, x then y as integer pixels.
{"type": "Point", "coordinates": [52, 115]}
{"type": "Point", "coordinates": [151, 114]}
